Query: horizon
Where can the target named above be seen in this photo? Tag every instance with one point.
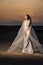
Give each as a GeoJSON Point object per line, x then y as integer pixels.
{"type": "Point", "coordinates": [17, 22]}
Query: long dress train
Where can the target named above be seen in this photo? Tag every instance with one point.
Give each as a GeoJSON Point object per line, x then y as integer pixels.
{"type": "Point", "coordinates": [24, 44]}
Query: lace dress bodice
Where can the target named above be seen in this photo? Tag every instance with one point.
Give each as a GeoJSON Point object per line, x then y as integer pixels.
{"type": "Point", "coordinates": [26, 26]}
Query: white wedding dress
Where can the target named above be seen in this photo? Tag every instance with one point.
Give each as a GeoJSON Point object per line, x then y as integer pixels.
{"type": "Point", "coordinates": [26, 41]}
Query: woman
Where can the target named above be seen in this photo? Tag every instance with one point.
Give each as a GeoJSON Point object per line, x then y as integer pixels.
{"type": "Point", "coordinates": [26, 40]}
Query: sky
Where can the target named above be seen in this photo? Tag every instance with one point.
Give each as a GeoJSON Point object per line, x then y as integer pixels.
{"type": "Point", "coordinates": [16, 9]}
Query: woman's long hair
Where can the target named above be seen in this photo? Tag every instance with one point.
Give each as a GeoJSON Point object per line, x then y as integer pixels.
{"type": "Point", "coordinates": [28, 17]}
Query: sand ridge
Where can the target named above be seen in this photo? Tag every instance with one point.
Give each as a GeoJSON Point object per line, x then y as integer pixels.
{"type": "Point", "coordinates": [20, 55]}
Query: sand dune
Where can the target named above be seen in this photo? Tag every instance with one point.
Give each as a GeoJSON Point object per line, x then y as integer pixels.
{"type": "Point", "coordinates": [20, 55]}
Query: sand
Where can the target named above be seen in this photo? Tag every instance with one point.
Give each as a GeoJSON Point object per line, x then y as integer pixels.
{"type": "Point", "coordinates": [20, 55]}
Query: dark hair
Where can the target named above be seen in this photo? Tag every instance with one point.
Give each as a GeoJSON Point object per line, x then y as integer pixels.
{"type": "Point", "coordinates": [28, 17]}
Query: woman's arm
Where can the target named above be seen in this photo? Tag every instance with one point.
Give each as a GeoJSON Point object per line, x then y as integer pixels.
{"type": "Point", "coordinates": [30, 27]}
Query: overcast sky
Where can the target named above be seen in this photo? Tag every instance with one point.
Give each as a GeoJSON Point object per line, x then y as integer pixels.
{"type": "Point", "coordinates": [16, 9]}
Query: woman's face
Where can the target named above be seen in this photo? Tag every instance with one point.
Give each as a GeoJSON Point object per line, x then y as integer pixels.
{"type": "Point", "coordinates": [25, 17]}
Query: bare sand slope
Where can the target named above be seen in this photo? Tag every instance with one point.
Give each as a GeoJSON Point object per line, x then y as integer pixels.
{"type": "Point", "coordinates": [20, 55]}
{"type": "Point", "coordinates": [15, 58]}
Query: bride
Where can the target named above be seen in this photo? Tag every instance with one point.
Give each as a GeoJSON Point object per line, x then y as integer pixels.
{"type": "Point", "coordinates": [26, 40]}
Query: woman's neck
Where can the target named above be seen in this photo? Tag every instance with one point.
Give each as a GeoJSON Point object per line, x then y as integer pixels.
{"type": "Point", "coordinates": [25, 20]}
